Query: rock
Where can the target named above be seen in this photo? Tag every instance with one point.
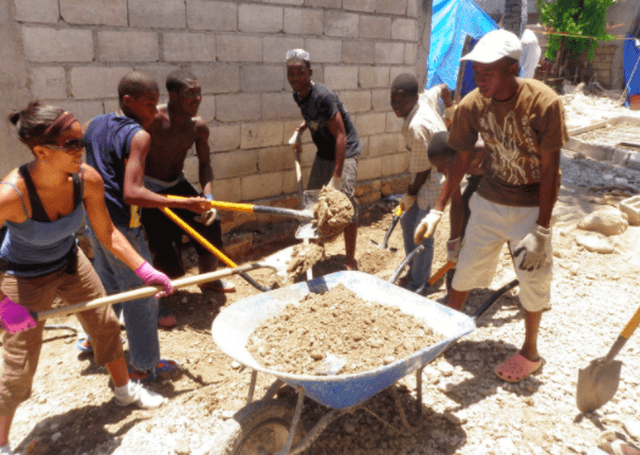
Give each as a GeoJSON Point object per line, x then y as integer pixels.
{"type": "Point", "coordinates": [505, 446]}
{"type": "Point", "coordinates": [234, 365]}
{"type": "Point", "coordinates": [607, 221]}
{"type": "Point", "coordinates": [445, 368]}
{"type": "Point", "coordinates": [595, 243]}
{"type": "Point", "coordinates": [181, 447]}
{"type": "Point", "coordinates": [56, 436]}
{"type": "Point", "coordinates": [631, 207]}
{"type": "Point", "coordinates": [349, 428]}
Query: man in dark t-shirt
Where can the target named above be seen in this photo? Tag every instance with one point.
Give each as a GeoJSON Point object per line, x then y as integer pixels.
{"type": "Point", "coordinates": [333, 133]}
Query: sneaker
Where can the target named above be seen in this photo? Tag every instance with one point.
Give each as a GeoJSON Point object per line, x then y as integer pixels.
{"type": "Point", "coordinates": [136, 394]}
{"type": "Point", "coordinates": [84, 345]}
{"type": "Point", "coordinates": [165, 369]}
{"type": "Point", "coordinates": [166, 319]}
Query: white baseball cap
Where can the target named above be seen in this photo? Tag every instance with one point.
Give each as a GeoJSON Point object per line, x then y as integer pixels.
{"type": "Point", "coordinates": [495, 45]}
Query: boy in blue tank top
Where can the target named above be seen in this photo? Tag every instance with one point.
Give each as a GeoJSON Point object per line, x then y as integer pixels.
{"type": "Point", "coordinates": [117, 146]}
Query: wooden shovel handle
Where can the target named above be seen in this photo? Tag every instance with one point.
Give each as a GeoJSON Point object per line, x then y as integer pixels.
{"type": "Point", "coordinates": [441, 272]}
{"type": "Point", "coordinates": [631, 325]}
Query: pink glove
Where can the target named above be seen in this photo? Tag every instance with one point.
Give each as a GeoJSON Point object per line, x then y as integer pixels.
{"type": "Point", "coordinates": [151, 276]}
{"type": "Point", "coordinates": [15, 317]}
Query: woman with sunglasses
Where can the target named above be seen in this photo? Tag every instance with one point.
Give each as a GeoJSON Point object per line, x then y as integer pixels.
{"type": "Point", "coordinates": [41, 206]}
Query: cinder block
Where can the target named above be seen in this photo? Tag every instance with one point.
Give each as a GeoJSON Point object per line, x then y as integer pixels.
{"type": "Point", "coordinates": [414, 8]}
{"type": "Point", "coordinates": [375, 27]}
{"type": "Point", "coordinates": [631, 206]}
{"type": "Point", "coordinates": [159, 74]}
{"type": "Point", "coordinates": [119, 46]}
{"type": "Point", "coordinates": [224, 137]}
{"type": "Point", "coordinates": [227, 189]}
{"type": "Point", "coordinates": [396, 71]}
{"type": "Point", "coordinates": [239, 48]}
{"type": "Point", "coordinates": [389, 53]}
{"type": "Point", "coordinates": [323, 51]}
{"type": "Point", "coordinates": [276, 47]}
{"type": "Point", "coordinates": [285, 2]}
{"type": "Point", "coordinates": [338, 23]}
{"type": "Point", "coordinates": [396, 164]}
{"type": "Point", "coordinates": [48, 83]}
{"type": "Point", "coordinates": [205, 15]}
{"type": "Point", "coordinates": [37, 11]}
{"type": "Point", "coordinates": [358, 52]}
{"type": "Point", "coordinates": [65, 45]}
{"type": "Point", "coordinates": [634, 161]}
{"type": "Point", "coordinates": [274, 159]}
{"type": "Point", "coordinates": [398, 7]}
{"type": "Point", "coordinates": [83, 110]}
{"type": "Point", "coordinates": [394, 123]}
{"type": "Point", "coordinates": [207, 109]}
{"type": "Point", "coordinates": [263, 185]}
{"type": "Point", "coordinates": [367, 6]}
{"type": "Point", "coordinates": [260, 18]}
{"type": "Point", "coordinates": [364, 147]}
{"type": "Point", "coordinates": [261, 134]}
{"type": "Point", "coordinates": [278, 106]}
{"type": "Point", "coordinates": [410, 53]}
{"type": "Point", "coordinates": [303, 21]}
{"type": "Point", "coordinates": [369, 168]}
{"type": "Point", "coordinates": [92, 82]}
{"type": "Point", "coordinates": [262, 78]}
{"type": "Point", "coordinates": [189, 47]}
{"type": "Point", "coordinates": [374, 77]}
{"type": "Point", "coordinates": [341, 77]}
{"type": "Point", "coordinates": [234, 164]}
{"type": "Point", "coordinates": [220, 78]}
{"type": "Point", "coordinates": [94, 12]}
{"type": "Point", "coordinates": [383, 144]}
{"type": "Point", "coordinates": [238, 107]}
{"type": "Point", "coordinates": [370, 124]}
{"type": "Point", "coordinates": [328, 4]}
{"type": "Point", "coordinates": [620, 156]}
{"type": "Point", "coordinates": [157, 14]}
{"type": "Point", "coordinates": [404, 29]}
{"type": "Point", "coordinates": [381, 99]}
{"type": "Point", "coordinates": [356, 100]}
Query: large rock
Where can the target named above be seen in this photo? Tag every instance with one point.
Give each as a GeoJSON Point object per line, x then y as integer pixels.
{"type": "Point", "coordinates": [596, 243]}
{"type": "Point", "coordinates": [608, 221]}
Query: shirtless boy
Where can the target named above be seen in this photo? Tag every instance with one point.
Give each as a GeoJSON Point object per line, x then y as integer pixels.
{"type": "Point", "coordinates": [175, 129]}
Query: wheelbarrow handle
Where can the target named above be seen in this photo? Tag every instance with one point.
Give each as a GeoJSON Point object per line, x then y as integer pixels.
{"type": "Point", "coordinates": [300, 215]}
{"type": "Point", "coordinates": [146, 291]}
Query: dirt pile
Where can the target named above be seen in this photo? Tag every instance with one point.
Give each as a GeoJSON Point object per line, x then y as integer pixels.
{"type": "Point", "coordinates": [332, 213]}
{"type": "Point", "coordinates": [303, 257]}
{"type": "Point", "coordinates": [338, 328]}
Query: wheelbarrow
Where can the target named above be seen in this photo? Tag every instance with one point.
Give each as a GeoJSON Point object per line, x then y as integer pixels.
{"type": "Point", "coordinates": [270, 426]}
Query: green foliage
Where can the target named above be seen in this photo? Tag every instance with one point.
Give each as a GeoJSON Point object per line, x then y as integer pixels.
{"type": "Point", "coordinates": [575, 17]}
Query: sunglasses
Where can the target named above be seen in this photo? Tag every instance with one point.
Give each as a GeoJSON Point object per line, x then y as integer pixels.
{"type": "Point", "coordinates": [72, 145]}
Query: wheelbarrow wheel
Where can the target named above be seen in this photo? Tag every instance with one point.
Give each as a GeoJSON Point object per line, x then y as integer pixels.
{"type": "Point", "coordinates": [262, 428]}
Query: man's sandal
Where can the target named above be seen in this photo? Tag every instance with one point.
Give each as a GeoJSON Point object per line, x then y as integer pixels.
{"type": "Point", "coordinates": [517, 368]}
{"type": "Point", "coordinates": [615, 443]}
{"type": "Point", "coordinates": [165, 369]}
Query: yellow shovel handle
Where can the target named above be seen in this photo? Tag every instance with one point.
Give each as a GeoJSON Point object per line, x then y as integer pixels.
{"type": "Point", "coordinates": [230, 206]}
{"type": "Point", "coordinates": [196, 235]}
{"type": "Point", "coordinates": [631, 325]}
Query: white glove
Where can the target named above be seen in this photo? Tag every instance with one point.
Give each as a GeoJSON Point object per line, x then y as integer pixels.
{"type": "Point", "coordinates": [427, 226]}
{"type": "Point", "coordinates": [453, 250]}
{"type": "Point", "coordinates": [407, 201]}
{"type": "Point", "coordinates": [536, 246]}
{"type": "Point", "coordinates": [335, 184]}
{"type": "Point", "coordinates": [207, 218]}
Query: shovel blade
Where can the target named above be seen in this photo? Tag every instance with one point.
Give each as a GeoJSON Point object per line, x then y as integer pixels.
{"type": "Point", "coordinates": [597, 384]}
{"type": "Point", "coordinates": [308, 230]}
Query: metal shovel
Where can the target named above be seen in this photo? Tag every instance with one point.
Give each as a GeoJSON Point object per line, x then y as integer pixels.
{"type": "Point", "coordinates": [598, 382]}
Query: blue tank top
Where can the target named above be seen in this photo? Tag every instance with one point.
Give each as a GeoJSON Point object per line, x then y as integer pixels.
{"type": "Point", "coordinates": [107, 142]}
{"type": "Point", "coordinates": [38, 247]}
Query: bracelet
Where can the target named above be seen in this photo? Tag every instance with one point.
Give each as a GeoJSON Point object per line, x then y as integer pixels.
{"type": "Point", "coordinates": [209, 197]}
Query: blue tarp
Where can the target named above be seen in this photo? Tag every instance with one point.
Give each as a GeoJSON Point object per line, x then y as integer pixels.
{"type": "Point", "coordinates": [451, 22]}
{"type": "Point", "coordinates": [631, 63]}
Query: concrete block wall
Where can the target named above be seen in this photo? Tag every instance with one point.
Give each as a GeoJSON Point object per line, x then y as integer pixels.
{"type": "Point", "coordinates": [73, 53]}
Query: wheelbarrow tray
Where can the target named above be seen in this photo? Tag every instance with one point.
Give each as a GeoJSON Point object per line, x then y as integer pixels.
{"type": "Point", "coordinates": [234, 325]}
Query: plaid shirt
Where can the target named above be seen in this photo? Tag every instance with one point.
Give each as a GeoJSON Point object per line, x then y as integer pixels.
{"type": "Point", "coordinates": [418, 127]}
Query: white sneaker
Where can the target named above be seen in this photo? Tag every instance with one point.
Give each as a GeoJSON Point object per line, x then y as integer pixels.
{"type": "Point", "coordinates": [134, 393]}
{"type": "Point", "coordinates": [6, 450]}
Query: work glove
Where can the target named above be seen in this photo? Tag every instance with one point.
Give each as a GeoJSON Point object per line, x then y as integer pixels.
{"type": "Point", "coordinates": [406, 201]}
{"type": "Point", "coordinates": [207, 218]}
{"type": "Point", "coordinates": [335, 184]}
{"type": "Point", "coordinates": [427, 226]}
{"type": "Point", "coordinates": [536, 246]}
{"type": "Point", "coordinates": [296, 141]}
{"type": "Point", "coordinates": [453, 250]}
{"type": "Point", "coordinates": [14, 317]}
{"type": "Point", "coordinates": [151, 276]}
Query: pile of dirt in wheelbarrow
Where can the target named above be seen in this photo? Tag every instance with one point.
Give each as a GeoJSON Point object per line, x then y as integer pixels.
{"type": "Point", "coordinates": [337, 327]}
{"type": "Point", "coordinates": [332, 213]}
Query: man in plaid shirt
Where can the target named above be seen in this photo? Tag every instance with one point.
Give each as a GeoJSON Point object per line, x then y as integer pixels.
{"type": "Point", "coordinates": [421, 122]}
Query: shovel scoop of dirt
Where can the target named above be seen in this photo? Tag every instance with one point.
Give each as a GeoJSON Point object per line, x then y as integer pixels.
{"type": "Point", "coordinates": [303, 257]}
{"type": "Point", "coordinates": [333, 212]}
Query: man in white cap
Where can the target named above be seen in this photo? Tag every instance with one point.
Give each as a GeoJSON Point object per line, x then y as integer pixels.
{"type": "Point", "coordinates": [522, 124]}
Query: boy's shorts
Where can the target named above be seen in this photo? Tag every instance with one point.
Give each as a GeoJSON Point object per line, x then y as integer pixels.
{"type": "Point", "coordinates": [490, 226]}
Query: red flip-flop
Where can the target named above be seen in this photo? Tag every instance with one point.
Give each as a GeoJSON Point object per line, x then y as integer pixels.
{"type": "Point", "coordinates": [517, 368]}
